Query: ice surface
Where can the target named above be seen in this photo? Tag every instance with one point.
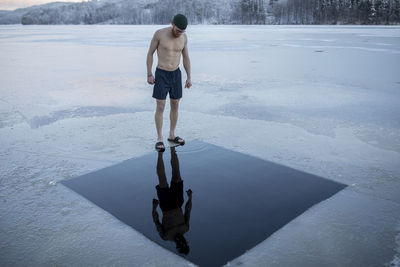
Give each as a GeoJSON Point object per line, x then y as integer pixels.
{"type": "Point", "coordinates": [321, 99]}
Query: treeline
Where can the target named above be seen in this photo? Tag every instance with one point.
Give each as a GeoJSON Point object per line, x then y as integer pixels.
{"type": "Point", "coordinates": [132, 12]}
{"type": "Point", "coordinates": [336, 11]}
{"type": "Point", "coordinates": [211, 12]}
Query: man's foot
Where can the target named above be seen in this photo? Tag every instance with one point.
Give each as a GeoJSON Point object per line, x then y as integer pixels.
{"type": "Point", "coordinates": [160, 147]}
{"type": "Point", "coordinates": [177, 140]}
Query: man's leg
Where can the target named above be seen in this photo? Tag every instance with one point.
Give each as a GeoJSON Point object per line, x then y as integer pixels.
{"type": "Point", "coordinates": [176, 174]}
{"type": "Point", "coordinates": [162, 187]}
{"type": "Point", "coordinates": [173, 117]}
{"type": "Point", "coordinates": [158, 117]}
{"type": "Point", "coordinates": [162, 178]}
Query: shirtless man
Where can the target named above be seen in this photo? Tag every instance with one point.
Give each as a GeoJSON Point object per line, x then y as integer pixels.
{"type": "Point", "coordinates": [170, 43]}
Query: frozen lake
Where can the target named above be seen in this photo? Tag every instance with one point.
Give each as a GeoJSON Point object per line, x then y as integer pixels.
{"type": "Point", "coordinates": [320, 99]}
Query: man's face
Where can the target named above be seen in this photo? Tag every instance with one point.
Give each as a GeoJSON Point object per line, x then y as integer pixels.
{"type": "Point", "coordinates": [176, 31]}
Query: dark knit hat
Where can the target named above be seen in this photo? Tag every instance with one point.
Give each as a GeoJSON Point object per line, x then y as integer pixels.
{"type": "Point", "coordinates": [180, 21]}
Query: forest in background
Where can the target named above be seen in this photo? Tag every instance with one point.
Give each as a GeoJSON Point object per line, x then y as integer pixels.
{"type": "Point", "coordinates": [375, 12]}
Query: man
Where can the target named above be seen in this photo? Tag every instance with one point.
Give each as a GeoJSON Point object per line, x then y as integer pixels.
{"type": "Point", "coordinates": [175, 223]}
{"type": "Point", "coordinates": [170, 43]}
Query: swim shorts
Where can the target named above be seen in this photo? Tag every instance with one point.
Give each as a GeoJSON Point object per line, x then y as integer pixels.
{"type": "Point", "coordinates": [170, 197]}
{"type": "Point", "coordinates": [167, 82]}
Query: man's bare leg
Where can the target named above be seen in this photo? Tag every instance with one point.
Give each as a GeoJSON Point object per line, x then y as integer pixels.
{"type": "Point", "coordinates": [176, 174]}
{"type": "Point", "coordinates": [162, 178]}
{"type": "Point", "coordinates": [158, 117]}
{"type": "Point", "coordinates": [173, 117]}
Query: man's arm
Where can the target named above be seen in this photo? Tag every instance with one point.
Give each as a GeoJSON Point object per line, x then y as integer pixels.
{"type": "Point", "coordinates": [149, 61]}
{"type": "Point", "coordinates": [156, 219]}
{"type": "Point", "coordinates": [186, 64]}
{"type": "Point", "coordinates": [188, 207]}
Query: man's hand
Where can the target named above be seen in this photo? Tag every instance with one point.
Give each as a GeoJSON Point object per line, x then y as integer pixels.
{"type": "Point", "coordinates": [150, 79]}
{"type": "Point", "coordinates": [189, 193]}
{"type": "Point", "coordinates": [155, 203]}
{"type": "Point", "coordinates": [188, 83]}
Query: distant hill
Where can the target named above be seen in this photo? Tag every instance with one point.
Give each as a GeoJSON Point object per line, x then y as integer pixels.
{"type": "Point", "coordinates": [209, 12]}
{"type": "Point", "coordinates": [14, 17]}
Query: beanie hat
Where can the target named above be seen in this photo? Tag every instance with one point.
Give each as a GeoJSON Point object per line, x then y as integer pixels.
{"type": "Point", "coordinates": [180, 21]}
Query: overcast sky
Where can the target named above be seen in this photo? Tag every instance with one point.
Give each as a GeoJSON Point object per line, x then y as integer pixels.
{"type": "Point", "coordinates": [14, 4]}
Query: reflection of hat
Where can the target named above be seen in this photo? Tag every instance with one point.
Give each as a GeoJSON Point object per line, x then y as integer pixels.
{"type": "Point", "coordinates": [180, 21]}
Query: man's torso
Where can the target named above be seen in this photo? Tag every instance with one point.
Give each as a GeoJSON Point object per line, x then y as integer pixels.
{"type": "Point", "coordinates": [169, 49]}
{"type": "Point", "coordinates": [173, 222]}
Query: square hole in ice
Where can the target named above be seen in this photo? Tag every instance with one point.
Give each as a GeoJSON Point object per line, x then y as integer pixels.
{"type": "Point", "coordinates": [237, 200]}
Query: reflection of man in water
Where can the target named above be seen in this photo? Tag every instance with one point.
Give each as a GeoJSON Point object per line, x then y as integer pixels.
{"type": "Point", "coordinates": [174, 222]}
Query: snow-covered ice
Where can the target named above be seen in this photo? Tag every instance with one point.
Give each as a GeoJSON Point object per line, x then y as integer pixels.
{"type": "Point", "coordinates": [321, 99]}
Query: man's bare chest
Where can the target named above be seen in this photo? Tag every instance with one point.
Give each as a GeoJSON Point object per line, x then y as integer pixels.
{"type": "Point", "coordinates": [171, 45]}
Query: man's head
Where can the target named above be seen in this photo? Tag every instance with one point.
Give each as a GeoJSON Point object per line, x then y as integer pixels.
{"type": "Point", "coordinates": [181, 244]}
{"type": "Point", "coordinates": [179, 24]}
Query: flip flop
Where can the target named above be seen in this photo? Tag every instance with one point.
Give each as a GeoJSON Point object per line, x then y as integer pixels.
{"type": "Point", "coordinates": [176, 141]}
{"type": "Point", "coordinates": [160, 149]}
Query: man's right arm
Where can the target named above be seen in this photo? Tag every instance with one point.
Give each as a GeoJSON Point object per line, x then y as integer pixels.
{"type": "Point", "coordinates": [149, 61]}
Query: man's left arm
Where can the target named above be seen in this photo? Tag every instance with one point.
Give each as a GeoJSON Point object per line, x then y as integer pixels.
{"type": "Point", "coordinates": [156, 219]}
{"type": "Point", "coordinates": [188, 208]}
{"type": "Point", "coordinates": [186, 64]}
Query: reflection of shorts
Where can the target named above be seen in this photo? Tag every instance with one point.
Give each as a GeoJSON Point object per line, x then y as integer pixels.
{"type": "Point", "coordinates": [167, 82]}
{"type": "Point", "coordinates": [170, 197]}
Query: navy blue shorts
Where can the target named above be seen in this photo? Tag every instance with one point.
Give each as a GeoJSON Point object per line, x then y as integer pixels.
{"type": "Point", "coordinates": [167, 82]}
{"type": "Point", "coordinates": [170, 197]}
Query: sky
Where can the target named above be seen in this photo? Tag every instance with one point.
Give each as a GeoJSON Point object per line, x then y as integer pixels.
{"type": "Point", "coordinates": [14, 4]}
